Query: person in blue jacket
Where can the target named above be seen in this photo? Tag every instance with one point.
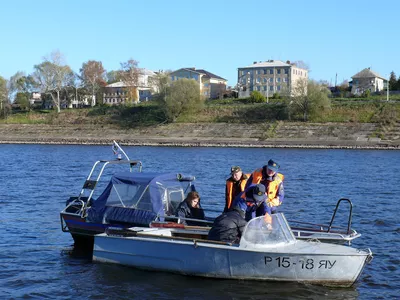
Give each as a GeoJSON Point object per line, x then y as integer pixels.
{"type": "Point", "coordinates": [253, 202]}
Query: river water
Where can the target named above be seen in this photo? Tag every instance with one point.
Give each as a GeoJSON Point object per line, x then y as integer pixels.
{"type": "Point", "coordinates": [38, 260]}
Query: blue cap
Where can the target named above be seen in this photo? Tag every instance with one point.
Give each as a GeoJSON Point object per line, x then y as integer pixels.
{"type": "Point", "coordinates": [259, 193]}
{"type": "Point", "coordinates": [273, 166]}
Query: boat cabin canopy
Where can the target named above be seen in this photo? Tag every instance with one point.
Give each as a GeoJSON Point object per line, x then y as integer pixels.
{"type": "Point", "coordinates": [139, 198]}
{"type": "Point", "coordinates": [260, 233]}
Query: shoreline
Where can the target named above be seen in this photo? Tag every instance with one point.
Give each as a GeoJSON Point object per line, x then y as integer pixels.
{"type": "Point", "coordinates": [189, 135]}
{"type": "Point", "coordinates": [206, 143]}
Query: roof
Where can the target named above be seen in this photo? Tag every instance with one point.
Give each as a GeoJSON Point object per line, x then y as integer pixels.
{"type": "Point", "coordinates": [269, 63]}
{"type": "Point", "coordinates": [116, 84]}
{"type": "Point", "coordinates": [367, 73]}
{"type": "Point", "coordinates": [202, 72]}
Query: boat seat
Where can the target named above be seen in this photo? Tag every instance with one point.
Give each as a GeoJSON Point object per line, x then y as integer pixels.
{"type": "Point", "coordinates": [136, 217]}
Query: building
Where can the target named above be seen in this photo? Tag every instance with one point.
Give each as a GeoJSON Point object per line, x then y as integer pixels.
{"type": "Point", "coordinates": [269, 77]}
{"type": "Point", "coordinates": [367, 80]}
{"type": "Point", "coordinates": [120, 93]}
{"type": "Point", "coordinates": [211, 86]}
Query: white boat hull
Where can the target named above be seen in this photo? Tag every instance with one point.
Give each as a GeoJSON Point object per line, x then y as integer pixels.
{"type": "Point", "coordinates": [301, 262]}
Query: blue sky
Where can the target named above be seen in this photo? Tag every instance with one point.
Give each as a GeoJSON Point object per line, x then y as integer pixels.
{"type": "Point", "coordinates": [332, 37]}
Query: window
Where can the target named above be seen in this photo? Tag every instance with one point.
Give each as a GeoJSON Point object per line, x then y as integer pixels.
{"type": "Point", "coordinates": [285, 79]}
{"type": "Point", "coordinates": [278, 79]}
{"type": "Point", "coordinates": [265, 87]}
{"type": "Point", "coordinates": [271, 88]}
{"type": "Point", "coordinates": [271, 71]}
{"type": "Point", "coordinates": [278, 71]}
{"type": "Point", "coordinates": [271, 79]}
{"type": "Point", "coordinates": [278, 87]}
{"type": "Point", "coordinates": [259, 88]}
{"type": "Point", "coordinates": [286, 71]}
{"type": "Point", "coordinates": [265, 71]}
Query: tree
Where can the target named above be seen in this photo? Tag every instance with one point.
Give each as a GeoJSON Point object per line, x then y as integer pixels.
{"type": "Point", "coordinates": [113, 76]}
{"type": "Point", "coordinates": [183, 96]}
{"type": "Point", "coordinates": [393, 82]}
{"type": "Point", "coordinates": [93, 77]}
{"type": "Point", "coordinates": [4, 103]}
{"type": "Point", "coordinates": [160, 83]}
{"type": "Point", "coordinates": [14, 84]}
{"type": "Point", "coordinates": [308, 98]}
{"type": "Point", "coordinates": [257, 97]}
{"type": "Point", "coordinates": [51, 76]}
{"type": "Point", "coordinates": [302, 65]}
{"type": "Point", "coordinates": [22, 99]}
{"type": "Point", "coordinates": [129, 74]}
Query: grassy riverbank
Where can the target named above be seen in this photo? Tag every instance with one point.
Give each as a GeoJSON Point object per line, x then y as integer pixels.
{"type": "Point", "coordinates": [221, 122]}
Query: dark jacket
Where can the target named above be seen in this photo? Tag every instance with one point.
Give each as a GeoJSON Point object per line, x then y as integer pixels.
{"type": "Point", "coordinates": [185, 211]}
{"type": "Point", "coordinates": [247, 204]}
{"type": "Point", "coordinates": [228, 227]}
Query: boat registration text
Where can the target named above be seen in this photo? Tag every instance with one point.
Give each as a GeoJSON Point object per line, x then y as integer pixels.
{"type": "Point", "coordinates": [308, 264]}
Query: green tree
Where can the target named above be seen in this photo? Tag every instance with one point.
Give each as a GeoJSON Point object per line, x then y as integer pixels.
{"type": "Point", "coordinates": [257, 97]}
{"type": "Point", "coordinates": [113, 76]}
{"type": "Point", "coordinates": [22, 99]}
{"type": "Point", "coordinates": [183, 96]}
{"type": "Point", "coordinates": [4, 103]}
{"type": "Point", "coordinates": [393, 82]}
{"type": "Point", "coordinates": [308, 98]}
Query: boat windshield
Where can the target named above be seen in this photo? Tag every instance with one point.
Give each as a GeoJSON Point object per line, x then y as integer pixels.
{"type": "Point", "coordinates": [260, 233]}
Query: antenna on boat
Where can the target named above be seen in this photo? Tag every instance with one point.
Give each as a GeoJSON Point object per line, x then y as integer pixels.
{"type": "Point", "coordinates": [116, 148]}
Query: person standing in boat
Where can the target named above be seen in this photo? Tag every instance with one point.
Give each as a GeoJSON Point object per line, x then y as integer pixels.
{"type": "Point", "coordinates": [272, 180]}
{"type": "Point", "coordinates": [190, 208]}
{"type": "Point", "coordinates": [234, 185]}
{"type": "Point", "coordinates": [253, 202]}
{"type": "Point", "coordinates": [229, 226]}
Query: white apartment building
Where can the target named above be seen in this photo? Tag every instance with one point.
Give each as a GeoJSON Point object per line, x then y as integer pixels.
{"type": "Point", "coordinates": [269, 77]}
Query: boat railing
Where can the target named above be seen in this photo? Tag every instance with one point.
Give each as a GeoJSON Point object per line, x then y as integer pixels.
{"type": "Point", "coordinates": [300, 225]}
{"type": "Point", "coordinates": [350, 214]}
{"type": "Point", "coordinates": [92, 179]}
{"type": "Point", "coordinates": [179, 220]}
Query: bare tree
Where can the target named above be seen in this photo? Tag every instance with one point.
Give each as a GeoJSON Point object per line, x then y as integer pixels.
{"type": "Point", "coordinates": [309, 97]}
{"type": "Point", "coordinates": [93, 77]}
{"type": "Point", "coordinates": [130, 76]}
{"type": "Point", "coordinates": [51, 76]}
{"type": "Point", "coordinates": [301, 64]}
{"type": "Point", "coordinates": [159, 83]}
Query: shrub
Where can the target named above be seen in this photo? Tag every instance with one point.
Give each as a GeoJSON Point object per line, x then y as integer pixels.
{"type": "Point", "coordinates": [257, 97]}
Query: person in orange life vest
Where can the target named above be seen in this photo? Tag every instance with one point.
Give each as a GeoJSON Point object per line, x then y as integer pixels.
{"type": "Point", "coordinates": [272, 180]}
{"type": "Point", "coordinates": [253, 202]}
{"type": "Point", "coordinates": [234, 185]}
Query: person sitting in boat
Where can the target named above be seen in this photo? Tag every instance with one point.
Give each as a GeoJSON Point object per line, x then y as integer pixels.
{"type": "Point", "coordinates": [272, 180]}
{"type": "Point", "coordinates": [229, 226]}
{"type": "Point", "coordinates": [253, 202]}
{"type": "Point", "coordinates": [234, 185]}
{"type": "Point", "coordinates": [190, 208]}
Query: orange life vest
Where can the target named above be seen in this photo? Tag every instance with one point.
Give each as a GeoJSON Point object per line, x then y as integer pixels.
{"type": "Point", "coordinates": [231, 193]}
{"type": "Point", "coordinates": [272, 188]}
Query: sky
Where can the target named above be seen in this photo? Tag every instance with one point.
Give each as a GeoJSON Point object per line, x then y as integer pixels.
{"type": "Point", "coordinates": [330, 36]}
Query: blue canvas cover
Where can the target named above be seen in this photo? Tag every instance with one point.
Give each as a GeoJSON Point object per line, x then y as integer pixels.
{"type": "Point", "coordinates": [135, 198]}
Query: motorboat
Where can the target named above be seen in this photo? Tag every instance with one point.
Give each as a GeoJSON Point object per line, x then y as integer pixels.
{"type": "Point", "coordinates": [266, 251]}
{"type": "Point", "coordinates": [118, 193]}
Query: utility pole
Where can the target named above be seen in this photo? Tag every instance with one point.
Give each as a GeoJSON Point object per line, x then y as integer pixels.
{"type": "Point", "coordinates": [387, 89]}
